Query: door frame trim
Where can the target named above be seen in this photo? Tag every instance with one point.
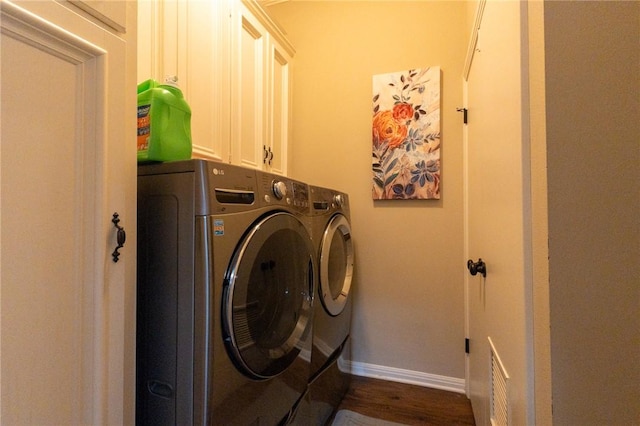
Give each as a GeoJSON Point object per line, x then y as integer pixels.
{"type": "Point", "coordinates": [473, 41]}
{"type": "Point", "coordinates": [465, 180]}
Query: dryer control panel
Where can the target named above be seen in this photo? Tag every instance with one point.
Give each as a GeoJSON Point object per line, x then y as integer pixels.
{"type": "Point", "coordinates": [327, 201]}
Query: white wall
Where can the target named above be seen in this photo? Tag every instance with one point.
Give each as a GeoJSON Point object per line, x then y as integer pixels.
{"type": "Point", "coordinates": [593, 150]}
{"type": "Point", "coordinates": [409, 300]}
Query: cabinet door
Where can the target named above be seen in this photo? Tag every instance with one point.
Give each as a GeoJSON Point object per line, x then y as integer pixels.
{"type": "Point", "coordinates": [203, 65]}
{"type": "Point", "coordinates": [248, 99]}
{"type": "Point", "coordinates": [278, 106]}
{"type": "Point", "coordinates": [191, 40]}
{"type": "Point", "coordinates": [67, 163]}
{"type": "Point", "coordinates": [150, 32]}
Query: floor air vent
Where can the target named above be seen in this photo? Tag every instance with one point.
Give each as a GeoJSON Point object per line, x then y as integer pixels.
{"type": "Point", "coordinates": [499, 400]}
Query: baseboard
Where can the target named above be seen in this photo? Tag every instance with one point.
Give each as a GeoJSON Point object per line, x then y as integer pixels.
{"type": "Point", "coordinates": [452, 384]}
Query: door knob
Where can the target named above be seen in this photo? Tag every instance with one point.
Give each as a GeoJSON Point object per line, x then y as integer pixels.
{"type": "Point", "coordinates": [475, 267]}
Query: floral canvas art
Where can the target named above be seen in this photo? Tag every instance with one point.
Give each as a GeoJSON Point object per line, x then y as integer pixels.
{"type": "Point", "coordinates": [406, 135]}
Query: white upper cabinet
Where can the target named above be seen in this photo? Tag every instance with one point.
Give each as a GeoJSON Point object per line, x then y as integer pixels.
{"type": "Point", "coordinates": [233, 66]}
{"type": "Point", "coordinates": [260, 120]}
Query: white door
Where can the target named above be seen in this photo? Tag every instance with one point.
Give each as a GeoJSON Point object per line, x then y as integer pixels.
{"type": "Point", "coordinates": [497, 199]}
{"type": "Point", "coordinates": [67, 163]}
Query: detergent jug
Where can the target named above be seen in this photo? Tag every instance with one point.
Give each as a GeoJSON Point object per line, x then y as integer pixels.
{"type": "Point", "coordinates": [164, 122]}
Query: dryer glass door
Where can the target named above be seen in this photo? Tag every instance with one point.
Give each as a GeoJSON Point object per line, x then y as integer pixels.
{"type": "Point", "coordinates": [267, 296]}
{"type": "Point", "coordinates": [336, 264]}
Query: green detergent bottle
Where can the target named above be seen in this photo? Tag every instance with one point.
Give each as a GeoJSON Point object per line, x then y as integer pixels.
{"type": "Point", "coordinates": [164, 122]}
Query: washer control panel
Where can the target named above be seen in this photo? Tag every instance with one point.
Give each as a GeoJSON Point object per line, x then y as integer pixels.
{"type": "Point", "coordinates": [278, 190]}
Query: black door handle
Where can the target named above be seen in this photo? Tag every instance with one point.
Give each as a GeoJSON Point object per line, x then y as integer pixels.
{"type": "Point", "coordinates": [475, 267]}
{"type": "Point", "coordinates": [121, 237]}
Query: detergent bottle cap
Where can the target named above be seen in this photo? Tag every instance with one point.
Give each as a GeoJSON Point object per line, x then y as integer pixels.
{"type": "Point", "coordinates": [171, 80]}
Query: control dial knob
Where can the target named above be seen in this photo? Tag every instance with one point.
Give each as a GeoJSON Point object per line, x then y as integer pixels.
{"type": "Point", "coordinates": [338, 199]}
{"type": "Point", "coordinates": [279, 189]}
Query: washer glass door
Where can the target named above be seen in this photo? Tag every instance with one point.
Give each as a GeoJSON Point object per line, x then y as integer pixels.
{"type": "Point", "coordinates": [336, 264]}
{"type": "Point", "coordinates": [267, 296]}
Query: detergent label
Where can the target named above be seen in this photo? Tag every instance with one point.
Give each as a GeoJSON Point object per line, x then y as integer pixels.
{"type": "Point", "coordinates": [144, 127]}
{"type": "Point", "coordinates": [218, 227]}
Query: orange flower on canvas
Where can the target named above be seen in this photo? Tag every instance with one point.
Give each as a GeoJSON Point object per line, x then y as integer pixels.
{"type": "Point", "coordinates": [402, 112]}
{"type": "Point", "coordinates": [387, 128]}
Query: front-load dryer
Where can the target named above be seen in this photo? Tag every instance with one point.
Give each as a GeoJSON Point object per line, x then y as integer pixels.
{"type": "Point", "coordinates": [329, 380]}
{"type": "Point", "coordinates": [226, 271]}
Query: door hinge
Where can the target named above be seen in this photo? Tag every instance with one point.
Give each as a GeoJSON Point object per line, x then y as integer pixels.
{"type": "Point", "coordinates": [466, 345]}
{"type": "Point", "coordinates": [464, 112]}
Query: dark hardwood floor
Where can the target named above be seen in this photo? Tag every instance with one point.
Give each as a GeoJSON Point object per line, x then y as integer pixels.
{"type": "Point", "coordinates": [407, 404]}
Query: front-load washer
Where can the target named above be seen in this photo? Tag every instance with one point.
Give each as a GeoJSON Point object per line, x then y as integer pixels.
{"type": "Point", "coordinates": [329, 380]}
{"type": "Point", "coordinates": [226, 270]}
